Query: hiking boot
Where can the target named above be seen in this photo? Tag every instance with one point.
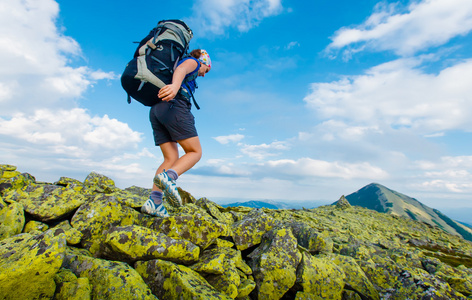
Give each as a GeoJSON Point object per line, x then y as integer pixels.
{"type": "Point", "coordinates": [152, 209]}
{"type": "Point", "coordinates": [168, 186]}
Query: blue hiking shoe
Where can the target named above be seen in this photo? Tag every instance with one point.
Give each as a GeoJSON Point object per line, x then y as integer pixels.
{"type": "Point", "coordinates": [152, 209]}
{"type": "Point", "coordinates": [168, 186]}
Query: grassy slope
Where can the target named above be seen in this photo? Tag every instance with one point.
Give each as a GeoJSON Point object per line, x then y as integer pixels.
{"type": "Point", "coordinates": [382, 199]}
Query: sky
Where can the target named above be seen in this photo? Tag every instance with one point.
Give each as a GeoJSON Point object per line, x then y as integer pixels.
{"type": "Point", "coordinates": [306, 100]}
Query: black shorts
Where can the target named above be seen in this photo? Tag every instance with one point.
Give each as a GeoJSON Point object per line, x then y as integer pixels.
{"type": "Point", "coordinates": [172, 121]}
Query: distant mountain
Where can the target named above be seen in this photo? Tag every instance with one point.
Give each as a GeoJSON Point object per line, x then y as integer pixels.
{"type": "Point", "coordinates": [253, 204]}
{"type": "Point", "coordinates": [466, 224]}
{"type": "Point", "coordinates": [382, 199]}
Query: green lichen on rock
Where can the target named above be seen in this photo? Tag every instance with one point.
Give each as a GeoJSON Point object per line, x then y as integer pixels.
{"type": "Point", "coordinates": [168, 280]}
{"type": "Point", "coordinates": [274, 263]}
{"type": "Point", "coordinates": [205, 251]}
{"type": "Point", "coordinates": [69, 287]}
{"type": "Point", "coordinates": [249, 231]}
{"type": "Point", "coordinates": [47, 202]}
{"type": "Point", "coordinates": [197, 228]}
{"type": "Point", "coordinates": [132, 243]}
{"type": "Point", "coordinates": [12, 219]}
{"type": "Point", "coordinates": [109, 279]}
{"type": "Point", "coordinates": [73, 236]}
{"type": "Point", "coordinates": [98, 183]}
{"type": "Point", "coordinates": [35, 226]}
{"type": "Point", "coordinates": [97, 215]}
{"type": "Point", "coordinates": [319, 276]}
{"type": "Point", "coordinates": [28, 264]}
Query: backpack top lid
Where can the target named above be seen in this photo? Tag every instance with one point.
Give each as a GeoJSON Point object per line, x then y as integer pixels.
{"type": "Point", "coordinates": [179, 32]}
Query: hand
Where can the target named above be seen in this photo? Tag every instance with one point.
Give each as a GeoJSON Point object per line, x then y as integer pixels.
{"type": "Point", "coordinates": [168, 92]}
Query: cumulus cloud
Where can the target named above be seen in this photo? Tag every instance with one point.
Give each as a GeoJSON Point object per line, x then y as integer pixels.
{"type": "Point", "coordinates": [263, 151]}
{"type": "Point", "coordinates": [217, 15]}
{"type": "Point", "coordinates": [423, 24]}
{"type": "Point", "coordinates": [226, 139]}
{"type": "Point", "coordinates": [69, 131]}
{"type": "Point", "coordinates": [308, 167]}
{"type": "Point", "coordinates": [36, 58]}
{"type": "Point", "coordinates": [399, 94]}
{"type": "Point", "coordinates": [450, 173]}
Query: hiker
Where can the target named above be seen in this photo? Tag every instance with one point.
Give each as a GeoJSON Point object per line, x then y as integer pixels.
{"type": "Point", "coordinates": [173, 123]}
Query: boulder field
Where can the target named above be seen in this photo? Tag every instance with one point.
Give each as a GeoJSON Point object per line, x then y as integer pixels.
{"type": "Point", "coordinates": [87, 240]}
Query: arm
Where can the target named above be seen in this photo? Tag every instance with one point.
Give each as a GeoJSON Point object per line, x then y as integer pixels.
{"type": "Point", "coordinates": [169, 91]}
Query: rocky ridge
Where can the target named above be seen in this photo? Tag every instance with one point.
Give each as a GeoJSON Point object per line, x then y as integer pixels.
{"type": "Point", "coordinates": [88, 240]}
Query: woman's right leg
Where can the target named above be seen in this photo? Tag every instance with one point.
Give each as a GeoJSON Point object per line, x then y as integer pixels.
{"type": "Point", "coordinates": [170, 152]}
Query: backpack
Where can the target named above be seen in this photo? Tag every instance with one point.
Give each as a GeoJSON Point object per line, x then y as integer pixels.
{"type": "Point", "coordinates": [155, 60]}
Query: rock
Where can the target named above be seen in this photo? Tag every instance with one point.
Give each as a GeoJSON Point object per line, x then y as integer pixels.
{"type": "Point", "coordinates": [274, 263]}
{"type": "Point", "coordinates": [319, 277]}
{"type": "Point", "coordinates": [312, 240]}
{"type": "Point", "coordinates": [109, 279]}
{"type": "Point", "coordinates": [35, 226]}
{"type": "Point", "coordinates": [249, 231]}
{"type": "Point", "coordinates": [342, 203]}
{"type": "Point", "coordinates": [12, 219]}
{"type": "Point", "coordinates": [132, 243]}
{"type": "Point", "coordinates": [197, 228]}
{"type": "Point", "coordinates": [73, 236]}
{"type": "Point", "coordinates": [129, 199]}
{"type": "Point", "coordinates": [215, 211]}
{"type": "Point", "coordinates": [69, 287]}
{"type": "Point", "coordinates": [168, 280]}
{"type": "Point", "coordinates": [96, 216]}
{"type": "Point", "coordinates": [205, 251]}
{"type": "Point", "coordinates": [98, 183]}
{"type": "Point", "coordinates": [28, 264]}
{"type": "Point", "coordinates": [355, 277]}
{"type": "Point", "coordinates": [228, 282]}
{"type": "Point", "coordinates": [245, 288]}
{"type": "Point", "coordinates": [17, 182]}
{"type": "Point", "coordinates": [47, 202]}
{"type": "Point", "coordinates": [223, 268]}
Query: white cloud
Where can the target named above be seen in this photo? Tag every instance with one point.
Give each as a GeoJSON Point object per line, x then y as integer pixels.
{"type": "Point", "coordinates": [308, 167]}
{"type": "Point", "coordinates": [226, 139]}
{"type": "Point", "coordinates": [65, 130]}
{"type": "Point", "coordinates": [263, 151]}
{"type": "Point", "coordinates": [35, 57]}
{"type": "Point", "coordinates": [399, 94]}
{"type": "Point", "coordinates": [450, 173]}
{"type": "Point", "coordinates": [425, 24]}
{"type": "Point", "coordinates": [292, 45]}
{"type": "Point", "coordinates": [217, 15]}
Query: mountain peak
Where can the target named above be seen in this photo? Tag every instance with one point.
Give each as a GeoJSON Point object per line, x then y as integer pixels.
{"type": "Point", "coordinates": [382, 199]}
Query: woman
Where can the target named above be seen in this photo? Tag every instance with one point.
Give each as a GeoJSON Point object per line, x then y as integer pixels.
{"type": "Point", "coordinates": [172, 123]}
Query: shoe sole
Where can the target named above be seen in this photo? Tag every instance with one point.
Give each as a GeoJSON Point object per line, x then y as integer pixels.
{"type": "Point", "coordinates": [154, 214]}
{"type": "Point", "coordinates": [173, 200]}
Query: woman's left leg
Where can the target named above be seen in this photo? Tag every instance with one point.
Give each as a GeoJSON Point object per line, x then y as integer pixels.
{"type": "Point", "coordinates": [193, 153]}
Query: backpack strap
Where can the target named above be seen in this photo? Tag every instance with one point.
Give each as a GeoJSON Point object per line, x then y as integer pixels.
{"type": "Point", "coordinates": [191, 76]}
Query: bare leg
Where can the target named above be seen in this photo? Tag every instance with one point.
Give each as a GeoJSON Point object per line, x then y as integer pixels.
{"type": "Point", "coordinates": [171, 155]}
{"type": "Point", "coordinates": [193, 153]}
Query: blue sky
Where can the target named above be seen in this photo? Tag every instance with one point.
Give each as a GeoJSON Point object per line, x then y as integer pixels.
{"type": "Point", "coordinates": [306, 100]}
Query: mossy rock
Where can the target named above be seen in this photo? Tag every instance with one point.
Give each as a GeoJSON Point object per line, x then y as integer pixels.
{"type": "Point", "coordinates": [109, 279]}
{"type": "Point", "coordinates": [28, 264]}
{"type": "Point", "coordinates": [12, 220]}
{"type": "Point", "coordinates": [168, 280]}
{"type": "Point", "coordinates": [274, 263]}
{"type": "Point", "coordinates": [200, 229]}
{"type": "Point", "coordinates": [100, 214]}
{"type": "Point", "coordinates": [249, 231]}
{"type": "Point", "coordinates": [132, 243]}
{"type": "Point", "coordinates": [47, 202]}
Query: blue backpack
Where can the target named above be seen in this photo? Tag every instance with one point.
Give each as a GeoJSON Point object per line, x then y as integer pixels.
{"type": "Point", "coordinates": [155, 60]}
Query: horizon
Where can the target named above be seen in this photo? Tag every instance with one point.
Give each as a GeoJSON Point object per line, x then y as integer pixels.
{"type": "Point", "coordinates": [305, 101]}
